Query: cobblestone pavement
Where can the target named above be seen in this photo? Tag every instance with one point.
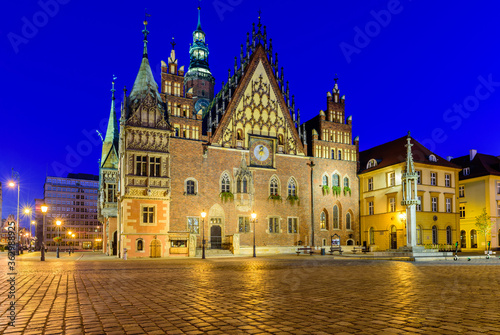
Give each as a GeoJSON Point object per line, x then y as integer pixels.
{"type": "Point", "coordinates": [94, 294]}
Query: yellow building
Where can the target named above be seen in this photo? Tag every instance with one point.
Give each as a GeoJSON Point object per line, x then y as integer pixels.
{"type": "Point", "coordinates": [479, 188]}
{"type": "Point", "coordinates": [383, 218]}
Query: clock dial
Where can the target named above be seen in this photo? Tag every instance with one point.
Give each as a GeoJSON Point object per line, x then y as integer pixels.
{"type": "Point", "coordinates": [201, 104]}
{"type": "Point", "coordinates": [261, 152]}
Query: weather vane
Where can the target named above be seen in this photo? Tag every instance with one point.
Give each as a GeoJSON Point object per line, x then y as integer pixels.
{"type": "Point", "coordinates": [173, 43]}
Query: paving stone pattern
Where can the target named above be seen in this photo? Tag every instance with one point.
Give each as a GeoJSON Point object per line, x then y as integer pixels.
{"type": "Point", "coordinates": [95, 294]}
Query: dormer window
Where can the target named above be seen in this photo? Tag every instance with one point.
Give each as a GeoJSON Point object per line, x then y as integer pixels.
{"type": "Point", "coordinates": [466, 171]}
{"type": "Point", "coordinates": [371, 163]}
{"type": "Point", "coordinates": [432, 158]}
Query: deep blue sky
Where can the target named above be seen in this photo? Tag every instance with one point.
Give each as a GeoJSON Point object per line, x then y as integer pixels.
{"type": "Point", "coordinates": [425, 58]}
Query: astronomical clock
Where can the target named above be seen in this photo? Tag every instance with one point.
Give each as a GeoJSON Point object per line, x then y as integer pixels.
{"type": "Point", "coordinates": [261, 152]}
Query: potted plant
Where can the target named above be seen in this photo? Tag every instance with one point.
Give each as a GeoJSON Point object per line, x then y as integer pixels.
{"type": "Point", "coordinates": [225, 196]}
{"type": "Point", "coordinates": [326, 189]}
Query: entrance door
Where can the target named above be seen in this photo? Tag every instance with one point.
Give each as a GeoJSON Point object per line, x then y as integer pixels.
{"type": "Point", "coordinates": [215, 237]}
{"type": "Point", "coordinates": [113, 243]}
{"type": "Point", "coordinates": [394, 238]}
{"type": "Point", "coordinates": [155, 249]}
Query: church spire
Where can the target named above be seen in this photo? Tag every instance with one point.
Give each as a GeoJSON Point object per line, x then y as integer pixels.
{"type": "Point", "coordinates": [146, 33]}
{"type": "Point", "coordinates": [111, 139]}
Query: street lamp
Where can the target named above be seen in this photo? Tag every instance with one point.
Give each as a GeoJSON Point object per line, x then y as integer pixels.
{"type": "Point", "coordinates": [15, 176]}
{"type": "Point", "coordinates": [44, 209]}
{"type": "Point", "coordinates": [58, 223]}
{"type": "Point", "coordinates": [70, 233]}
{"type": "Point", "coordinates": [254, 216]}
{"type": "Point", "coordinates": [203, 214]}
{"type": "Point", "coordinates": [33, 223]}
{"type": "Point", "coordinates": [29, 213]}
{"type": "Point", "coordinates": [73, 235]}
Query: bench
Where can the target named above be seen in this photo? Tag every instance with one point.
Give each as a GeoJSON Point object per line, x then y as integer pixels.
{"type": "Point", "coordinates": [356, 249]}
{"type": "Point", "coordinates": [305, 250]}
{"type": "Point", "coordinates": [333, 249]}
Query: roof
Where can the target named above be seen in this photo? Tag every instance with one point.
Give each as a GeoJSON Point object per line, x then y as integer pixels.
{"type": "Point", "coordinates": [394, 152]}
{"type": "Point", "coordinates": [481, 165]}
{"type": "Point", "coordinates": [144, 82]}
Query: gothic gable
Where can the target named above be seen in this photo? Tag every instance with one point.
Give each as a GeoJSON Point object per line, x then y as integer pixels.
{"type": "Point", "coordinates": [258, 108]}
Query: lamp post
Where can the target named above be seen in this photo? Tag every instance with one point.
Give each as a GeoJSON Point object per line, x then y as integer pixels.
{"type": "Point", "coordinates": [44, 209]}
{"type": "Point", "coordinates": [203, 214]}
{"type": "Point", "coordinates": [33, 223]}
{"type": "Point", "coordinates": [254, 216]}
{"type": "Point", "coordinates": [15, 176]}
{"type": "Point", "coordinates": [58, 223]}
{"type": "Point", "coordinates": [73, 249]}
{"type": "Point", "coordinates": [70, 233]}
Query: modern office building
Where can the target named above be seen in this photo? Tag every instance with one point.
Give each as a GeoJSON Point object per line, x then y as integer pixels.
{"type": "Point", "coordinates": [73, 202]}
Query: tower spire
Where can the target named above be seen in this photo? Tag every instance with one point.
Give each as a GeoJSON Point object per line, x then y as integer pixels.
{"type": "Point", "coordinates": [199, 17]}
{"type": "Point", "coordinates": [146, 33]}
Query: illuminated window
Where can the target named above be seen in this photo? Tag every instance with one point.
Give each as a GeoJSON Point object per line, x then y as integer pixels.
{"type": "Point", "coordinates": [322, 220]}
{"type": "Point", "coordinates": [391, 179]}
{"type": "Point", "coordinates": [392, 204]}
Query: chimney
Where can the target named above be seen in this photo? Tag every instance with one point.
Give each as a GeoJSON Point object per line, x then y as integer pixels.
{"type": "Point", "coordinates": [472, 154]}
{"type": "Point", "coordinates": [449, 158]}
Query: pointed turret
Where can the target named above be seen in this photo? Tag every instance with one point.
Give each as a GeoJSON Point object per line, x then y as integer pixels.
{"type": "Point", "coordinates": [110, 144]}
{"type": "Point", "coordinates": [144, 82]}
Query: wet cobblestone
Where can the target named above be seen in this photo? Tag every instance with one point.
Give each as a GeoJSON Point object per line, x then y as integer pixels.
{"type": "Point", "coordinates": [95, 294]}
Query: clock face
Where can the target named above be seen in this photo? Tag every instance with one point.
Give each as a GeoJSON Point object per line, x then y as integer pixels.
{"type": "Point", "coordinates": [261, 152]}
{"type": "Point", "coordinates": [201, 104]}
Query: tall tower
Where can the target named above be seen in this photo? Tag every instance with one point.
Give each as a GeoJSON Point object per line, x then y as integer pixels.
{"type": "Point", "coordinates": [410, 199]}
{"type": "Point", "coordinates": [144, 168]}
{"type": "Point", "coordinates": [108, 178]}
{"type": "Point", "coordinates": [199, 77]}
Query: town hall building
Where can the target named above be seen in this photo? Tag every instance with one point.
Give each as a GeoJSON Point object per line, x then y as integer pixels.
{"type": "Point", "coordinates": [186, 162]}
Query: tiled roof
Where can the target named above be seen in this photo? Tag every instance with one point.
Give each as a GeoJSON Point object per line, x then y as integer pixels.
{"type": "Point", "coordinates": [481, 165]}
{"type": "Point", "coordinates": [394, 152]}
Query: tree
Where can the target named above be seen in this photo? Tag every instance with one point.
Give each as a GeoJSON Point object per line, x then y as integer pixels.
{"type": "Point", "coordinates": [483, 224]}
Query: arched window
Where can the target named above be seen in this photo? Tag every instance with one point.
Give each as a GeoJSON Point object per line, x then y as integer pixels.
{"type": "Point", "coordinates": [432, 158]}
{"type": "Point", "coordinates": [340, 155]}
{"type": "Point", "coordinates": [463, 239]}
{"type": "Point", "coordinates": [335, 180]}
{"type": "Point", "coordinates": [292, 188]}
{"type": "Point", "coordinates": [372, 236]}
{"type": "Point", "coordinates": [225, 185]}
{"type": "Point", "coordinates": [371, 163]}
{"type": "Point", "coordinates": [140, 245]}
{"type": "Point", "coordinates": [190, 187]}
{"type": "Point", "coordinates": [280, 139]}
{"type": "Point", "coordinates": [325, 180]}
{"type": "Point", "coordinates": [419, 234]}
{"type": "Point", "coordinates": [273, 186]}
{"type": "Point", "coordinates": [238, 184]}
{"type": "Point", "coordinates": [322, 220]}
{"type": "Point", "coordinates": [245, 184]}
{"type": "Point", "coordinates": [335, 217]}
{"type": "Point", "coordinates": [239, 135]}
{"type": "Point", "coordinates": [348, 221]}
{"type": "Point", "coordinates": [346, 182]}
{"type": "Point", "coordinates": [434, 235]}
{"type": "Point", "coordinates": [448, 235]}
{"type": "Point", "coordinates": [473, 238]}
